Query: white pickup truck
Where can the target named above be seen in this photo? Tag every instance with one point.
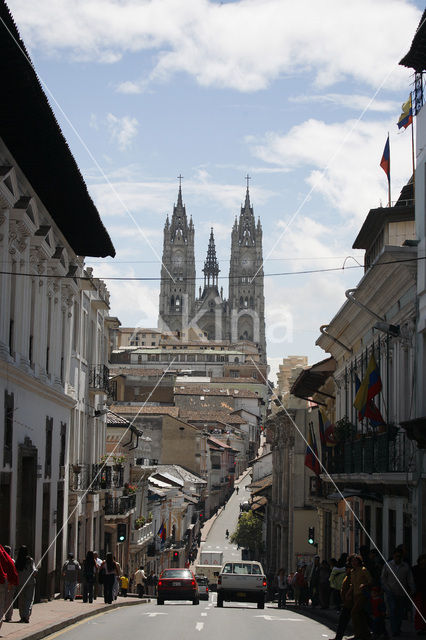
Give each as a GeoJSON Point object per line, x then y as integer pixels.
{"type": "Point", "coordinates": [241, 582]}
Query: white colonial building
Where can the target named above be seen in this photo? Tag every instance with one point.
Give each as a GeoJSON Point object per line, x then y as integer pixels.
{"type": "Point", "coordinates": [52, 324]}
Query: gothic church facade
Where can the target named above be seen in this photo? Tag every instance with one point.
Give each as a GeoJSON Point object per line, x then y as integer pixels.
{"type": "Point", "coordinates": [210, 315]}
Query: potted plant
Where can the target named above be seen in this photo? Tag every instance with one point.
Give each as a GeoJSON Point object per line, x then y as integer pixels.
{"type": "Point", "coordinates": [149, 518]}
{"type": "Point", "coordinates": [118, 462]}
{"type": "Point", "coordinates": [139, 522]}
{"type": "Point", "coordinates": [344, 429]}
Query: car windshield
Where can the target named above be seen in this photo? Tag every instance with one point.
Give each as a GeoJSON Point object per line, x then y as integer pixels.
{"type": "Point", "coordinates": [242, 568]}
{"type": "Point", "coordinates": [201, 580]}
{"type": "Point", "coordinates": [176, 573]}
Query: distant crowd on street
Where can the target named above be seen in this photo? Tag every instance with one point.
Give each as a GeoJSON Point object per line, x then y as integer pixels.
{"type": "Point", "coordinates": [93, 578]}
{"type": "Point", "coordinates": [95, 575]}
{"type": "Point", "coordinates": [364, 589]}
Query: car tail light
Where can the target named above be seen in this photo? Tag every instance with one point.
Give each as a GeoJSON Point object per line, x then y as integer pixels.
{"type": "Point", "coordinates": [207, 589]}
{"type": "Point", "coordinates": [193, 583]}
{"type": "Point", "coordinates": [160, 583]}
{"type": "Point", "coordinates": [219, 580]}
{"type": "Point", "coordinates": [264, 582]}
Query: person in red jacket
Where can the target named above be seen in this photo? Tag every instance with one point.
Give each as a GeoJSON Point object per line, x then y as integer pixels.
{"type": "Point", "coordinates": [8, 577]}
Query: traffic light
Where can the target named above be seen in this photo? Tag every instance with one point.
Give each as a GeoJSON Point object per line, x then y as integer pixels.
{"type": "Point", "coordinates": [175, 556]}
{"type": "Point", "coordinates": [311, 535]}
{"type": "Point", "coordinates": [121, 532]}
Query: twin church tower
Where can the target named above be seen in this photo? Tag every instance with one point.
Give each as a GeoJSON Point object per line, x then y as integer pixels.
{"type": "Point", "coordinates": [242, 316]}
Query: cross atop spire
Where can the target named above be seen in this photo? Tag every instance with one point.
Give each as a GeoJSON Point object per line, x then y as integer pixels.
{"type": "Point", "coordinates": [180, 178]}
{"type": "Point", "coordinates": [248, 178]}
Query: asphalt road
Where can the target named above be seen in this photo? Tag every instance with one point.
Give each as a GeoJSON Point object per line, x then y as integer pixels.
{"type": "Point", "coordinates": [183, 621]}
{"type": "Point", "coordinates": [227, 519]}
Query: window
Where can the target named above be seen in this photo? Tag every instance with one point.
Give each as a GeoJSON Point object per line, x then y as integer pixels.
{"type": "Point", "coordinates": [48, 449]}
{"type": "Point", "coordinates": [8, 428]}
{"type": "Point", "coordinates": [63, 443]}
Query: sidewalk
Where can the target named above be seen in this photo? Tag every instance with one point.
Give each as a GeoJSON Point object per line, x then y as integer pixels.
{"type": "Point", "coordinates": [48, 617]}
{"type": "Point", "coordinates": [330, 617]}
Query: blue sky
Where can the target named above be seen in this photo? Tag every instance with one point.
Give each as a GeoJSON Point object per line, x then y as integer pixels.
{"type": "Point", "coordinates": [299, 95]}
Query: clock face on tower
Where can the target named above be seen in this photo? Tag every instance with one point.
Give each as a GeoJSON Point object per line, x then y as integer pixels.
{"type": "Point", "coordinates": [177, 259]}
{"type": "Point", "coordinates": [246, 262]}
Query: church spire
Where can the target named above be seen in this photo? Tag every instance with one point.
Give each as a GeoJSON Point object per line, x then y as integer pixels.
{"type": "Point", "coordinates": [179, 222]}
{"type": "Point", "coordinates": [246, 224]}
{"type": "Point", "coordinates": [211, 265]}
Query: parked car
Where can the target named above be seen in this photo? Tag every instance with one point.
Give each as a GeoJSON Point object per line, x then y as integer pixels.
{"type": "Point", "coordinates": [177, 584]}
{"type": "Point", "coordinates": [203, 587]}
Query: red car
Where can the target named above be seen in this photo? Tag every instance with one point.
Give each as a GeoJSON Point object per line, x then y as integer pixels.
{"type": "Point", "coordinates": [177, 584]}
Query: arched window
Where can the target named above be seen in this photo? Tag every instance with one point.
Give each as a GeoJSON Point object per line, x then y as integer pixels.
{"type": "Point", "coordinates": [246, 301]}
{"type": "Point", "coordinates": [177, 303]}
{"type": "Point", "coordinates": [251, 302]}
{"type": "Point", "coordinates": [172, 302]}
{"type": "Point", "coordinates": [241, 301]}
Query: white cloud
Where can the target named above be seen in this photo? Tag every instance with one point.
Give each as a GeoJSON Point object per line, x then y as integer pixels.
{"type": "Point", "coordinates": [343, 161]}
{"type": "Point", "coordinates": [136, 303]}
{"type": "Point", "coordinates": [122, 130]}
{"type": "Point", "coordinates": [244, 45]}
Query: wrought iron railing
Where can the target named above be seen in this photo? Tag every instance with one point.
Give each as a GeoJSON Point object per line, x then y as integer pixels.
{"type": "Point", "coordinates": [99, 378]}
{"type": "Point", "coordinates": [95, 477]}
{"type": "Point", "coordinates": [376, 453]}
{"type": "Point", "coordinates": [120, 505]}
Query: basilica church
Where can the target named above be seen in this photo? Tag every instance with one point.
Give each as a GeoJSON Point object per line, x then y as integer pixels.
{"type": "Point", "coordinates": [210, 315]}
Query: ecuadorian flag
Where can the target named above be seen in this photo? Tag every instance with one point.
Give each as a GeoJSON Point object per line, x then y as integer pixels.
{"type": "Point", "coordinates": [370, 386]}
{"type": "Point", "coordinates": [406, 117]}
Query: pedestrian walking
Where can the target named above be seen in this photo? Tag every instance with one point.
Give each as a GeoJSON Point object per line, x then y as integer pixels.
{"type": "Point", "coordinates": [97, 589]}
{"type": "Point", "coordinates": [361, 583]}
{"type": "Point", "coordinates": [116, 585]}
{"type": "Point", "coordinates": [397, 582]}
{"type": "Point", "coordinates": [10, 592]}
{"type": "Point", "coordinates": [282, 588]}
{"type": "Point", "coordinates": [8, 579]}
{"type": "Point", "coordinates": [124, 582]}
{"type": "Point", "coordinates": [337, 575]}
{"type": "Point", "coordinates": [324, 584]}
{"type": "Point", "coordinates": [378, 613]}
{"type": "Point", "coordinates": [312, 577]}
{"type": "Point", "coordinates": [300, 586]}
{"type": "Point", "coordinates": [346, 596]}
{"type": "Point", "coordinates": [419, 575]}
{"type": "Point", "coordinates": [140, 581]}
{"type": "Point", "coordinates": [110, 572]}
{"type": "Point", "coordinates": [88, 574]}
{"type": "Point", "coordinates": [27, 571]}
{"type": "Point", "coordinates": [70, 573]}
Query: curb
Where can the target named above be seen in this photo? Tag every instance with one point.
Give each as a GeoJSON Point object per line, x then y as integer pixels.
{"type": "Point", "coordinates": [47, 631]}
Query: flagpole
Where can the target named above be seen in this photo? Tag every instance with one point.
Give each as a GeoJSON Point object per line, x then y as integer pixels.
{"type": "Point", "coordinates": [389, 176]}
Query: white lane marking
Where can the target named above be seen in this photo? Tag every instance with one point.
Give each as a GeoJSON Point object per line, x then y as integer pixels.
{"type": "Point", "coordinates": [152, 614]}
{"type": "Point", "coordinates": [204, 614]}
{"type": "Point", "coordinates": [199, 626]}
{"type": "Point", "coordinates": [286, 619]}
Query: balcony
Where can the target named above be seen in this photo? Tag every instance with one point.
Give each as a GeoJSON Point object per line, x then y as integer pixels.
{"type": "Point", "coordinates": [142, 535]}
{"type": "Point", "coordinates": [95, 477]}
{"type": "Point", "coordinates": [119, 506]}
{"type": "Point", "coordinates": [376, 453]}
{"type": "Point", "coordinates": [99, 378]}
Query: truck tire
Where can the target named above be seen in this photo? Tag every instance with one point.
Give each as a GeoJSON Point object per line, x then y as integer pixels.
{"type": "Point", "coordinates": [219, 601]}
{"type": "Point", "coordinates": [160, 601]}
{"type": "Point", "coordinates": [196, 601]}
{"type": "Point", "coordinates": [261, 605]}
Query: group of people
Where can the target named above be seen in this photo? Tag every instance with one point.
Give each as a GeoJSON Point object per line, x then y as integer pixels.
{"type": "Point", "coordinates": [17, 582]}
{"type": "Point", "coordinates": [364, 589]}
{"type": "Point", "coordinates": [93, 574]}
